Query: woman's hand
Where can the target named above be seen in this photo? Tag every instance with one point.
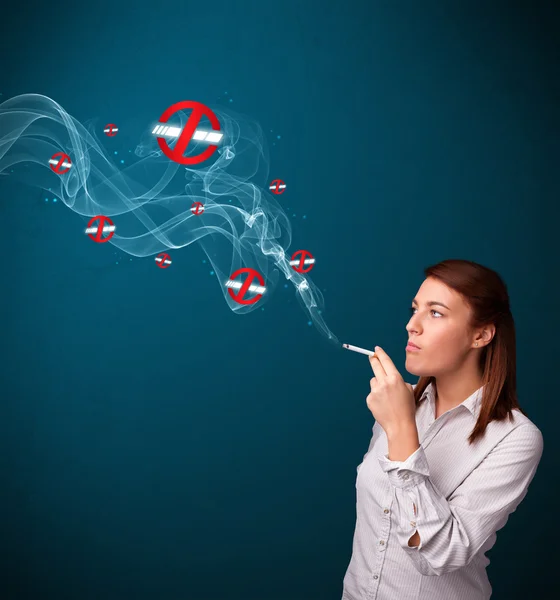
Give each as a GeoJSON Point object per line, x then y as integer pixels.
{"type": "Point", "coordinates": [391, 400]}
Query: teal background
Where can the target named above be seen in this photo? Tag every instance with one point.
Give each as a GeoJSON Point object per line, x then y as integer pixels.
{"type": "Point", "coordinates": [153, 444]}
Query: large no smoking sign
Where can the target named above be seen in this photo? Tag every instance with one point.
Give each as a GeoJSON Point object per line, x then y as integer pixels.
{"type": "Point", "coordinates": [188, 133]}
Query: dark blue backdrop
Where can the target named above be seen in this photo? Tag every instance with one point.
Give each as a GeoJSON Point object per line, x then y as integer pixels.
{"type": "Point", "coordinates": [153, 444]}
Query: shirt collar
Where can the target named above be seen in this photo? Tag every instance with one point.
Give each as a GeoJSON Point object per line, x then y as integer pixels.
{"type": "Point", "coordinates": [472, 403]}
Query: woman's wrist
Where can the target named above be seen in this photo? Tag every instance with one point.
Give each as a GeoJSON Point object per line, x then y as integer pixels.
{"type": "Point", "coordinates": [403, 428]}
{"type": "Point", "coordinates": [402, 441]}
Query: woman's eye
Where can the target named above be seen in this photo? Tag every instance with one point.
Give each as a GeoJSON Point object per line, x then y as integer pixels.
{"type": "Point", "coordinates": [412, 309]}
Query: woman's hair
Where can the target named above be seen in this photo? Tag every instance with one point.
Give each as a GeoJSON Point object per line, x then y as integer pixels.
{"type": "Point", "coordinates": [486, 294]}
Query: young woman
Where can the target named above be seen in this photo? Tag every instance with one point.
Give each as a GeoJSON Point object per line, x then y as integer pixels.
{"type": "Point", "coordinates": [450, 457]}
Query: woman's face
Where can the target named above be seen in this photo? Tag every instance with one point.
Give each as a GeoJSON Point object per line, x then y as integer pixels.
{"type": "Point", "coordinates": [442, 333]}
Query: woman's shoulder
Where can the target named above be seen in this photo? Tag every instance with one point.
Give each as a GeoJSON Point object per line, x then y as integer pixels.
{"type": "Point", "coordinates": [517, 431]}
{"type": "Point", "coordinates": [522, 422]}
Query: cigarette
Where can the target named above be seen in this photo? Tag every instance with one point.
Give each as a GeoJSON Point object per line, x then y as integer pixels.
{"type": "Point", "coordinates": [357, 349]}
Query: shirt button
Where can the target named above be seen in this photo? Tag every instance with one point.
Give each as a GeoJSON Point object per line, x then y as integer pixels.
{"type": "Point", "coordinates": [381, 542]}
{"type": "Point", "coordinates": [385, 510]}
{"type": "Point", "coordinates": [376, 576]}
{"type": "Point", "coordinates": [413, 523]}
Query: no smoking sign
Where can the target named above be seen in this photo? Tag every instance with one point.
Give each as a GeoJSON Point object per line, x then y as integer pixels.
{"type": "Point", "coordinates": [301, 258]}
{"type": "Point", "coordinates": [277, 186]}
{"type": "Point", "coordinates": [246, 286]}
{"type": "Point", "coordinates": [177, 154]}
{"type": "Point", "coordinates": [197, 208]}
{"type": "Point", "coordinates": [105, 226]}
{"type": "Point", "coordinates": [111, 130]}
{"type": "Point", "coordinates": [163, 260]}
{"type": "Point", "coordinates": [60, 163]}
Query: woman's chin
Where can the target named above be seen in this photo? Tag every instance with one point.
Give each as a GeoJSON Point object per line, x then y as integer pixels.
{"type": "Point", "coordinates": [409, 365]}
{"type": "Point", "coordinates": [413, 369]}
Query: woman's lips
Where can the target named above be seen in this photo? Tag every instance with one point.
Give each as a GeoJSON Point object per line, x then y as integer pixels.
{"type": "Point", "coordinates": [410, 348]}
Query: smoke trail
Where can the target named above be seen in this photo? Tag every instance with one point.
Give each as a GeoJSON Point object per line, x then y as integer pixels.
{"type": "Point", "coordinates": [242, 224]}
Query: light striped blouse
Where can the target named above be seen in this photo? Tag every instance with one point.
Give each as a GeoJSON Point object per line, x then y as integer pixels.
{"type": "Point", "coordinates": [455, 495]}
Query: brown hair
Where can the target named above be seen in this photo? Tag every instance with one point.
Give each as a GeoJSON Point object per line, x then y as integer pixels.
{"type": "Point", "coordinates": [486, 294]}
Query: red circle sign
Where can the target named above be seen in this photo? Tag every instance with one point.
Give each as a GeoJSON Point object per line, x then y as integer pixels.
{"type": "Point", "coordinates": [251, 275]}
{"type": "Point", "coordinates": [277, 186]}
{"type": "Point", "coordinates": [304, 255]}
{"type": "Point", "coordinates": [197, 208]}
{"type": "Point", "coordinates": [97, 236]}
{"type": "Point", "coordinates": [62, 158]}
{"type": "Point", "coordinates": [112, 129]}
{"type": "Point", "coordinates": [177, 154]}
{"type": "Point", "coordinates": [163, 256]}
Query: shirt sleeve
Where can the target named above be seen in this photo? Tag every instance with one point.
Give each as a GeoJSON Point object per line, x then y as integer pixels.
{"type": "Point", "coordinates": [452, 530]}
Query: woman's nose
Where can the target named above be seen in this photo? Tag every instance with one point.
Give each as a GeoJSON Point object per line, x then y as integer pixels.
{"type": "Point", "coordinates": [411, 325]}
